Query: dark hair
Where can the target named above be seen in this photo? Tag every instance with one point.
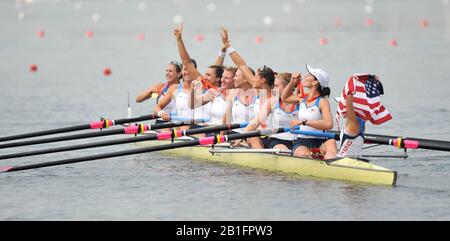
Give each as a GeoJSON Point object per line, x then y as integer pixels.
{"type": "Point", "coordinates": [178, 65]}
{"type": "Point", "coordinates": [325, 92]}
{"type": "Point", "coordinates": [218, 70]}
{"type": "Point", "coordinates": [194, 62]}
{"type": "Point", "coordinates": [268, 74]}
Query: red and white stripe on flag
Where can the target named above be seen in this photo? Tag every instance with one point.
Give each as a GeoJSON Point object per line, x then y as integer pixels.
{"type": "Point", "coordinates": [366, 92]}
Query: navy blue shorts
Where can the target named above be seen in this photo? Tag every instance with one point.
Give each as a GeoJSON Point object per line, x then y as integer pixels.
{"type": "Point", "coordinates": [308, 142]}
{"type": "Point", "coordinates": [270, 143]}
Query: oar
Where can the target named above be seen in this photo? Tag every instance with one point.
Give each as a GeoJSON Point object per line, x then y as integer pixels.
{"type": "Point", "coordinates": [400, 142]}
{"type": "Point", "coordinates": [134, 129]}
{"type": "Point", "coordinates": [152, 136]}
{"type": "Point", "coordinates": [200, 141]}
{"type": "Point", "coordinates": [411, 143]}
{"type": "Point", "coordinates": [408, 142]}
{"type": "Point", "coordinates": [104, 123]}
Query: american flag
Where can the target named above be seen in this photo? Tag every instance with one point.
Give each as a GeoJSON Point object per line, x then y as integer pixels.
{"type": "Point", "coordinates": [366, 92]}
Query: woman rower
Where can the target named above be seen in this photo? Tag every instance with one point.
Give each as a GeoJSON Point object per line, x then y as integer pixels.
{"type": "Point", "coordinates": [173, 76]}
{"type": "Point", "coordinates": [365, 90]}
{"type": "Point", "coordinates": [181, 93]}
{"type": "Point", "coordinates": [217, 80]}
{"type": "Point", "coordinates": [218, 96]}
{"type": "Point", "coordinates": [253, 88]}
{"type": "Point", "coordinates": [280, 114]}
{"type": "Point", "coordinates": [314, 112]}
{"type": "Point", "coordinates": [352, 135]}
{"type": "Point", "coordinates": [206, 87]}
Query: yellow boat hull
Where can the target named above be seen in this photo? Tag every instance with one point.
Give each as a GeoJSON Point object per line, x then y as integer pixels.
{"type": "Point", "coordinates": [347, 169]}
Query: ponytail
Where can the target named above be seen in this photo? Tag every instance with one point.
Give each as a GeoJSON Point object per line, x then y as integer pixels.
{"type": "Point", "coordinates": [325, 92]}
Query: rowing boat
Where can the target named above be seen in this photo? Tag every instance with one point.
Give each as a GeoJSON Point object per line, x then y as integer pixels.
{"type": "Point", "coordinates": [346, 169]}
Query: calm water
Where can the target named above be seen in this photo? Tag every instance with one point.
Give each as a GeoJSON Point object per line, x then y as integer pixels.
{"type": "Point", "coordinates": [69, 88]}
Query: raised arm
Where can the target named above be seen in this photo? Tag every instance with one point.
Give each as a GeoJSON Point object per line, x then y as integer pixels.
{"type": "Point", "coordinates": [237, 59]}
{"type": "Point", "coordinates": [288, 95]}
{"type": "Point", "coordinates": [352, 125]}
{"type": "Point", "coordinates": [184, 55]}
{"type": "Point", "coordinates": [221, 56]}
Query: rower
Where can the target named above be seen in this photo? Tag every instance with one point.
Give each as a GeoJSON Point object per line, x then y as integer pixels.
{"type": "Point", "coordinates": [314, 112]}
{"type": "Point", "coordinates": [262, 80]}
{"type": "Point", "coordinates": [173, 76]}
{"type": "Point", "coordinates": [240, 102]}
{"type": "Point", "coordinates": [364, 89]}
{"type": "Point", "coordinates": [181, 93]}
{"type": "Point", "coordinates": [352, 135]}
{"type": "Point", "coordinates": [206, 87]}
{"type": "Point", "coordinates": [276, 113]}
{"type": "Point", "coordinates": [253, 88]}
{"type": "Point", "coordinates": [218, 97]}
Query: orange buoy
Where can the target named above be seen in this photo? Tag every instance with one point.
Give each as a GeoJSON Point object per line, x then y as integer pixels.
{"type": "Point", "coordinates": [258, 39]}
{"type": "Point", "coordinates": [141, 37]}
{"type": "Point", "coordinates": [199, 38]}
{"type": "Point", "coordinates": [41, 33]}
{"type": "Point", "coordinates": [89, 34]}
{"type": "Point", "coordinates": [107, 72]}
{"type": "Point", "coordinates": [33, 67]}
{"type": "Point", "coordinates": [323, 41]}
{"type": "Point", "coordinates": [393, 43]}
{"type": "Point", "coordinates": [369, 22]}
{"type": "Point", "coordinates": [424, 23]}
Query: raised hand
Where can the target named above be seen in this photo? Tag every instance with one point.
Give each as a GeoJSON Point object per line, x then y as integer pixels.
{"type": "Point", "coordinates": [224, 35]}
{"type": "Point", "coordinates": [178, 31]}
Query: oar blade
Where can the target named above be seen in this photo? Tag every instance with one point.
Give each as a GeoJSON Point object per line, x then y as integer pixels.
{"type": "Point", "coordinates": [44, 133]}
{"type": "Point", "coordinates": [6, 169]}
{"type": "Point", "coordinates": [104, 123]}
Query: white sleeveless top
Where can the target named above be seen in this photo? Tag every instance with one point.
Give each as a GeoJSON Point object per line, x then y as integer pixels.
{"type": "Point", "coordinates": [257, 108]}
{"type": "Point", "coordinates": [218, 108]}
{"type": "Point", "coordinates": [206, 111]}
{"type": "Point", "coordinates": [169, 107]}
{"type": "Point", "coordinates": [309, 113]}
{"type": "Point", "coordinates": [182, 109]}
{"type": "Point", "coordinates": [242, 113]}
{"type": "Point", "coordinates": [280, 118]}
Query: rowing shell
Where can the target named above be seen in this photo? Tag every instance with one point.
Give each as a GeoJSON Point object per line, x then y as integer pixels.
{"type": "Point", "coordinates": [346, 169]}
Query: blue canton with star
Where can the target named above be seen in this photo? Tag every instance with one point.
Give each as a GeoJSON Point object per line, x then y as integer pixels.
{"type": "Point", "coordinates": [373, 87]}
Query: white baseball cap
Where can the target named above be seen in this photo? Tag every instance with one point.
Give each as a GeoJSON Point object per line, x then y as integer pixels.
{"type": "Point", "coordinates": [320, 75]}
